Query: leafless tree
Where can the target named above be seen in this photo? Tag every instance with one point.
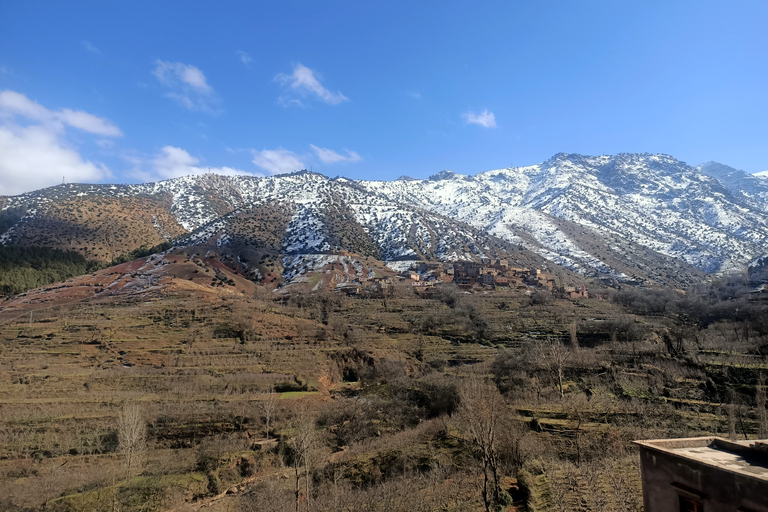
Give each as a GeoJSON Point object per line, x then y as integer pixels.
{"type": "Point", "coordinates": [267, 406]}
{"type": "Point", "coordinates": [132, 436]}
{"type": "Point", "coordinates": [553, 355]}
{"type": "Point", "coordinates": [762, 418]}
{"type": "Point", "coordinates": [731, 415]}
{"type": "Point", "coordinates": [573, 329]}
{"type": "Point", "coordinates": [302, 444]}
{"type": "Point", "coordinates": [480, 411]}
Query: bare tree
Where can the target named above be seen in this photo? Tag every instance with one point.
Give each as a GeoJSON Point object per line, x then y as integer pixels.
{"type": "Point", "coordinates": [132, 436]}
{"type": "Point", "coordinates": [267, 407]}
{"type": "Point", "coordinates": [553, 355]}
{"type": "Point", "coordinates": [731, 408]}
{"type": "Point", "coordinates": [573, 329]}
{"type": "Point", "coordinates": [302, 446]}
{"type": "Point", "coordinates": [762, 418]}
{"type": "Point", "coordinates": [480, 411]}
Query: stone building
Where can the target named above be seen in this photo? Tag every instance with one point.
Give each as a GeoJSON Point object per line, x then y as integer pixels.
{"type": "Point", "coordinates": [704, 474]}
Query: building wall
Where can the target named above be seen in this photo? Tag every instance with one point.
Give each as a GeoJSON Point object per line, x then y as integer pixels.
{"type": "Point", "coordinates": [719, 490]}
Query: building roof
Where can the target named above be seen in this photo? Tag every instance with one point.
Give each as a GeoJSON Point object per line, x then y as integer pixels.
{"type": "Point", "coordinates": [749, 458]}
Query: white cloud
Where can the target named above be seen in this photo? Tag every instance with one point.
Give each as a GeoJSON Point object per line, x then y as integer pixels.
{"type": "Point", "coordinates": [244, 57]}
{"type": "Point", "coordinates": [13, 103]}
{"type": "Point", "coordinates": [304, 83]}
{"type": "Point", "coordinates": [485, 118]}
{"type": "Point", "coordinates": [329, 156]}
{"type": "Point", "coordinates": [89, 47]}
{"type": "Point", "coordinates": [278, 161]}
{"type": "Point", "coordinates": [35, 157]}
{"type": "Point", "coordinates": [35, 153]}
{"type": "Point", "coordinates": [173, 162]}
{"type": "Point", "coordinates": [88, 122]}
{"type": "Point", "coordinates": [187, 86]}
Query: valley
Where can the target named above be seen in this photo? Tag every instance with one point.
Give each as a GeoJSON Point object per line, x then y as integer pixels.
{"type": "Point", "coordinates": [302, 343]}
{"type": "Point", "coordinates": [229, 376]}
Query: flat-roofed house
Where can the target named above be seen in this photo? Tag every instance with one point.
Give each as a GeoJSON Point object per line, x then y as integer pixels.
{"type": "Point", "coordinates": [704, 474]}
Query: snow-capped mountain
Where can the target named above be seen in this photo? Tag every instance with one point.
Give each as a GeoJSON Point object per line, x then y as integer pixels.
{"type": "Point", "coordinates": [751, 188]}
{"type": "Point", "coordinates": [625, 217]}
{"type": "Point", "coordinates": [650, 201]}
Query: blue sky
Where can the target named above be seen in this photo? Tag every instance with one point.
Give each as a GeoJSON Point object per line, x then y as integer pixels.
{"type": "Point", "coordinates": [136, 91]}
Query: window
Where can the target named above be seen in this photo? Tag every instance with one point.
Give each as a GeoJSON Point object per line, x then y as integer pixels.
{"type": "Point", "coordinates": [689, 505]}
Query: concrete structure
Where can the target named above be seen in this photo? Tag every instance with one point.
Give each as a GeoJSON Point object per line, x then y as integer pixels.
{"type": "Point", "coordinates": [704, 474]}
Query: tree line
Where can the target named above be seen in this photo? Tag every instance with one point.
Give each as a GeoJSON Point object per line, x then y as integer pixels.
{"type": "Point", "coordinates": [23, 268]}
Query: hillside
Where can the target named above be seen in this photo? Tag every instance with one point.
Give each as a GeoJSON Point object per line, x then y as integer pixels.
{"type": "Point", "coordinates": [225, 379]}
{"type": "Point", "coordinates": [652, 201]}
{"type": "Point", "coordinates": [100, 228]}
{"type": "Point", "coordinates": [632, 218]}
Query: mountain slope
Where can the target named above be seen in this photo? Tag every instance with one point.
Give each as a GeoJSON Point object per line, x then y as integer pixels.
{"type": "Point", "coordinates": [322, 216]}
{"type": "Point", "coordinates": [652, 201]}
{"type": "Point", "coordinates": [750, 188]}
{"type": "Point", "coordinates": [627, 218]}
{"type": "Point", "coordinates": [99, 228]}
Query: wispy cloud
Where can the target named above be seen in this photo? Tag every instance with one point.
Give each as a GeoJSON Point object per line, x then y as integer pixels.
{"type": "Point", "coordinates": [36, 153]}
{"type": "Point", "coordinates": [304, 83]}
{"type": "Point", "coordinates": [485, 118]}
{"type": "Point", "coordinates": [414, 94]}
{"type": "Point", "coordinates": [90, 48]}
{"type": "Point", "coordinates": [16, 104]}
{"type": "Point", "coordinates": [328, 156]}
{"type": "Point", "coordinates": [278, 161]}
{"type": "Point", "coordinates": [187, 85]}
{"type": "Point", "coordinates": [244, 57]}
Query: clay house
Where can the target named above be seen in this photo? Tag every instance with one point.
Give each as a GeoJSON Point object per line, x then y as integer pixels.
{"type": "Point", "coordinates": [409, 274]}
{"type": "Point", "coordinates": [704, 474]}
{"type": "Point", "coordinates": [463, 282]}
{"type": "Point", "coordinates": [351, 288]}
{"type": "Point", "coordinates": [577, 293]}
{"type": "Point", "coordinates": [487, 279]}
{"type": "Point", "coordinates": [467, 269]}
{"type": "Point", "coordinates": [501, 280]}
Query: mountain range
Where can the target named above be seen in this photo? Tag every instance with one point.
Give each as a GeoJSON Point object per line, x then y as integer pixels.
{"type": "Point", "coordinates": [628, 218]}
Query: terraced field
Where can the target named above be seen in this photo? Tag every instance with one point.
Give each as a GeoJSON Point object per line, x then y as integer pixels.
{"type": "Point", "coordinates": [226, 384]}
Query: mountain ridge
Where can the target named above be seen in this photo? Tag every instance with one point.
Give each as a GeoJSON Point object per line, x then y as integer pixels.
{"type": "Point", "coordinates": [622, 218]}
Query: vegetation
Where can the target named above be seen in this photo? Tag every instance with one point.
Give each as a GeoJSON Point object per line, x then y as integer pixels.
{"type": "Point", "coordinates": [11, 216]}
{"type": "Point", "coordinates": [141, 252]}
{"type": "Point", "coordinates": [320, 402]}
{"type": "Point", "coordinates": [24, 268]}
{"type": "Point", "coordinates": [100, 228]}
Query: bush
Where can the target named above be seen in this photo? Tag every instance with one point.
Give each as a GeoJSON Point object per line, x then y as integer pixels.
{"type": "Point", "coordinates": [214, 483]}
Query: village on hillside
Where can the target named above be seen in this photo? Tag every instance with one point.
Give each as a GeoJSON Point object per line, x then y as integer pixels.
{"type": "Point", "coordinates": [468, 275]}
